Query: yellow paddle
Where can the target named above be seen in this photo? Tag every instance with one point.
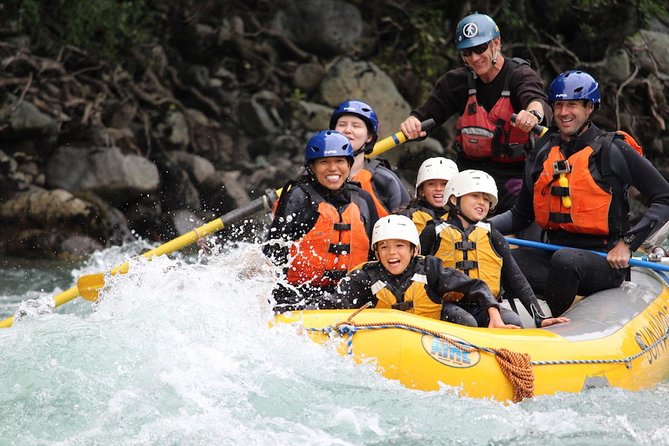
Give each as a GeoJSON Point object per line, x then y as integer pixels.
{"type": "Point", "coordinates": [394, 140]}
{"type": "Point", "coordinates": [89, 285]}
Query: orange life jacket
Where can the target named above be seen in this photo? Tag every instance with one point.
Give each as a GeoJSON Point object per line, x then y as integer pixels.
{"type": "Point", "coordinates": [364, 177]}
{"type": "Point", "coordinates": [335, 244]}
{"type": "Point", "coordinates": [483, 134]}
{"type": "Point", "coordinates": [590, 208]}
{"type": "Point", "coordinates": [631, 141]}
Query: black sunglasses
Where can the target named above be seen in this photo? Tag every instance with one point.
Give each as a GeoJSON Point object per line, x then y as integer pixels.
{"type": "Point", "coordinates": [480, 49]}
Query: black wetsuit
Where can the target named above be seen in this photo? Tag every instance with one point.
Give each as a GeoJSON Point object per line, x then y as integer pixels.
{"type": "Point", "coordinates": [562, 275]}
{"type": "Point", "coordinates": [513, 282]}
{"type": "Point", "coordinates": [450, 96]}
{"type": "Point", "coordinates": [355, 290]}
{"type": "Point", "coordinates": [295, 216]}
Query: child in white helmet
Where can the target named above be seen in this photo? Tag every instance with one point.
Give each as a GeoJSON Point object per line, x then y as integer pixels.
{"type": "Point", "coordinates": [430, 198]}
{"type": "Point", "coordinates": [403, 280]}
{"type": "Point", "coordinates": [466, 241]}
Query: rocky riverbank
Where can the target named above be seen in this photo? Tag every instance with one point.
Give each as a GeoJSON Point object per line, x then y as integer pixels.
{"type": "Point", "coordinates": [95, 153]}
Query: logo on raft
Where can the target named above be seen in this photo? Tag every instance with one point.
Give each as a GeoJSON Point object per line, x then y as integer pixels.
{"type": "Point", "coordinates": [448, 354]}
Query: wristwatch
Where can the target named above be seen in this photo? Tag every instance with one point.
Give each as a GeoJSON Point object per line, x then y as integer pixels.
{"type": "Point", "coordinates": [629, 238]}
{"type": "Point", "coordinates": [537, 115]}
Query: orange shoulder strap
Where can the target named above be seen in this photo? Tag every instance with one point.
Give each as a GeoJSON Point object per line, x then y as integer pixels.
{"type": "Point", "coordinates": [631, 141]}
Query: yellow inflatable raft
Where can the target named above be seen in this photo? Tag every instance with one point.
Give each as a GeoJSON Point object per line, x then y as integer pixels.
{"type": "Point", "coordinates": [616, 338]}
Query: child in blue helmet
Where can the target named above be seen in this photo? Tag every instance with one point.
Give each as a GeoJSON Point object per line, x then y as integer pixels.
{"type": "Point", "coordinates": [322, 224]}
{"type": "Point", "coordinates": [358, 122]}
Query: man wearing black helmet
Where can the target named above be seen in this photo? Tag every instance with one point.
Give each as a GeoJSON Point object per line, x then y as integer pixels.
{"type": "Point", "coordinates": [485, 92]}
{"type": "Point", "coordinates": [575, 187]}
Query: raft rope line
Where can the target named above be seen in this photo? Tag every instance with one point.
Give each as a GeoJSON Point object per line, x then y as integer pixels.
{"type": "Point", "coordinates": [516, 367]}
{"type": "Point", "coordinates": [627, 361]}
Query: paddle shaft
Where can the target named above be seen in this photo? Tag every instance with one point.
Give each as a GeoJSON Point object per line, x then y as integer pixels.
{"type": "Point", "coordinates": [550, 247]}
{"type": "Point", "coordinates": [394, 140]}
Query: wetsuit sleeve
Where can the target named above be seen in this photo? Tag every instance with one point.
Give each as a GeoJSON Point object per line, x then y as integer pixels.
{"type": "Point", "coordinates": [353, 291]}
{"type": "Point", "coordinates": [519, 217]}
{"type": "Point", "coordinates": [428, 239]}
{"type": "Point", "coordinates": [447, 98]}
{"type": "Point", "coordinates": [637, 171]}
{"type": "Point", "coordinates": [295, 216]}
{"type": "Point", "coordinates": [527, 86]}
{"type": "Point", "coordinates": [390, 189]}
{"type": "Point", "coordinates": [513, 281]}
{"type": "Point", "coordinates": [444, 280]}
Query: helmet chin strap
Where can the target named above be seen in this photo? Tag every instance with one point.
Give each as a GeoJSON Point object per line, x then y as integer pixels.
{"type": "Point", "coordinates": [494, 57]}
{"type": "Point", "coordinates": [457, 210]}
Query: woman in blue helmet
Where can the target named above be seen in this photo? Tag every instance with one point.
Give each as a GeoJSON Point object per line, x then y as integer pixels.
{"type": "Point", "coordinates": [322, 224]}
{"type": "Point", "coordinates": [358, 122]}
{"type": "Point", "coordinates": [575, 187]}
{"type": "Point", "coordinates": [484, 93]}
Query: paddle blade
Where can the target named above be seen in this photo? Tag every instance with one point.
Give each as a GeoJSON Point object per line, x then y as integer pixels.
{"type": "Point", "coordinates": [89, 286]}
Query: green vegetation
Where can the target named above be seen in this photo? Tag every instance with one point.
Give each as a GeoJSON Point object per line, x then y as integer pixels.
{"type": "Point", "coordinates": [105, 27]}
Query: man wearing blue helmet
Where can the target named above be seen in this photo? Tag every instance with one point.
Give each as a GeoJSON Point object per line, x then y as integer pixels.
{"type": "Point", "coordinates": [484, 93]}
{"type": "Point", "coordinates": [322, 224]}
{"type": "Point", "coordinates": [358, 122]}
{"type": "Point", "coordinates": [575, 188]}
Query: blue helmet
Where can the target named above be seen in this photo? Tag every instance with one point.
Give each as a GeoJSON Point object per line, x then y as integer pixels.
{"type": "Point", "coordinates": [360, 109]}
{"type": "Point", "coordinates": [326, 144]}
{"type": "Point", "coordinates": [474, 30]}
{"type": "Point", "coordinates": [574, 85]}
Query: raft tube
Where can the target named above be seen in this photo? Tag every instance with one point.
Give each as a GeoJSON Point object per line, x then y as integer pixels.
{"type": "Point", "coordinates": [616, 338]}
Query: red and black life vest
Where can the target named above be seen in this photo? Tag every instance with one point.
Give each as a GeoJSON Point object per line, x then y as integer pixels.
{"type": "Point", "coordinates": [489, 135]}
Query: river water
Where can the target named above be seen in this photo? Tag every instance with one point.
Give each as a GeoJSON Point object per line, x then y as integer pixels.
{"type": "Point", "coordinates": [179, 352]}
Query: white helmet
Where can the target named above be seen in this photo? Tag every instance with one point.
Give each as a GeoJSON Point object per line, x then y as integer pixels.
{"type": "Point", "coordinates": [438, 168]}
{"type": "Point", "coordinates": [469, 181]}
{"type": "Point", "coordinates": [395, 227]}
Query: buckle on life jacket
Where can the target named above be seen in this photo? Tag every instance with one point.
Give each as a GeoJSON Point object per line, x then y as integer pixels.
{"type": "Point", "coordinates": [560, 191]}
{"type": "Point", "coordinates": [559, 217]}
{"type": "Point", "coordinates": [339, 248]}
{"type": "Point", "coordinates": [403, 306]}
{"type": "Point", "coordinates": [560, 167]}
{"type": "Point", "coordinates": [466, 265]}
{"type": "Point", "coordinates": [465, 245]}
{"type": "Point", "coordinates": [342, 226]}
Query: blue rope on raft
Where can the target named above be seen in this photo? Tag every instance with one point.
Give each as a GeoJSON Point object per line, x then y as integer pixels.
{"type": "Point", "coordinates": [348, 330]}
